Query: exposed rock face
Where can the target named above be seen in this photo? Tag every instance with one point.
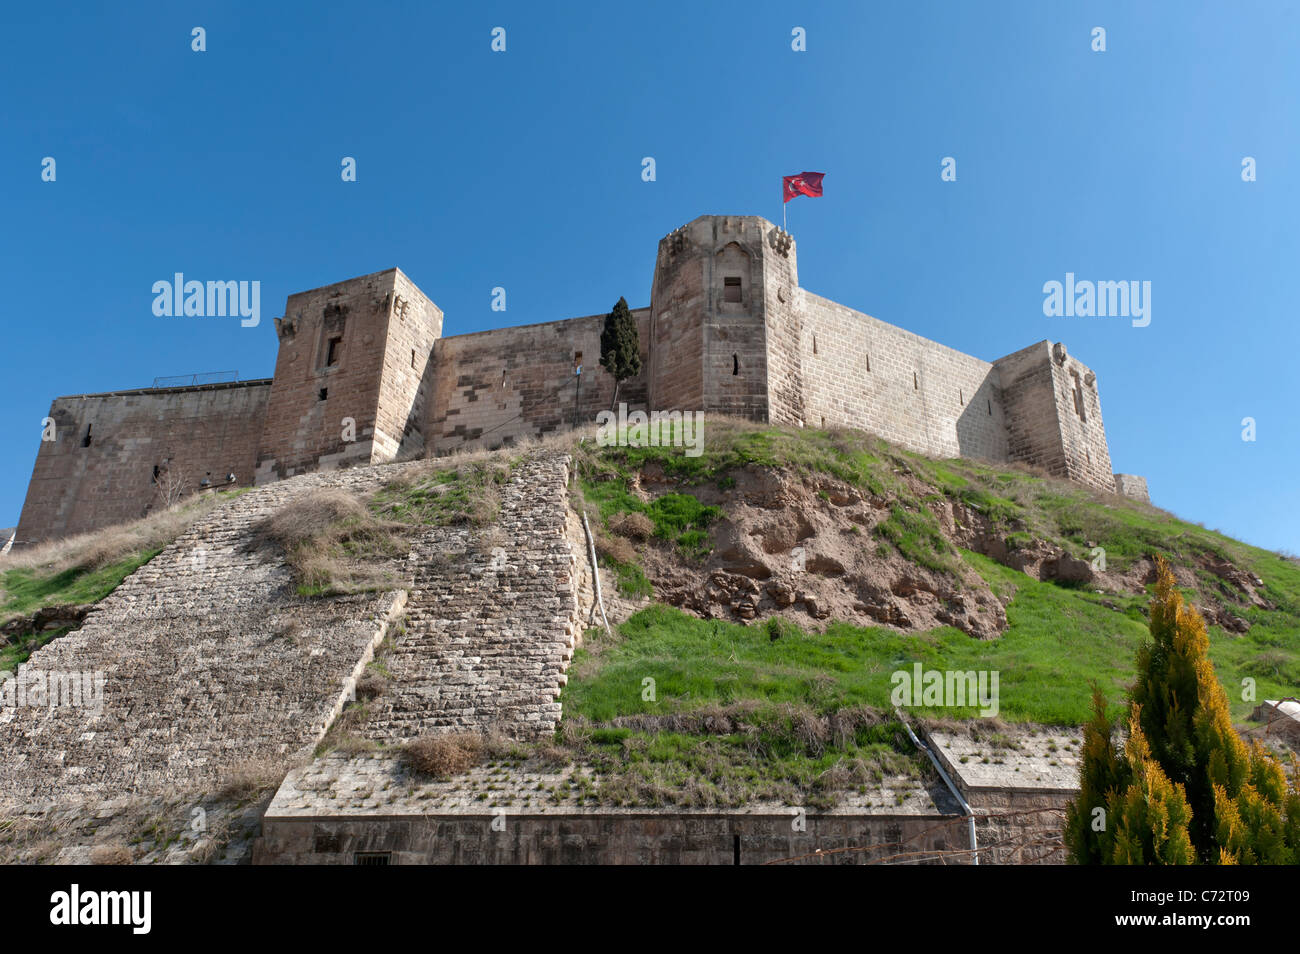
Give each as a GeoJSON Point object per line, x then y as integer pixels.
{"type": "Point", "coordinates": [803, 547]}
{"type": "Point", "coordinates": [45, 619]}
{"type": "Point", "coordinates": [795, 548]}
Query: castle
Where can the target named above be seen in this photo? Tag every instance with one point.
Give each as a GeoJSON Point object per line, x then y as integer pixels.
{"type": "Point", "coordinates": [363, 376]}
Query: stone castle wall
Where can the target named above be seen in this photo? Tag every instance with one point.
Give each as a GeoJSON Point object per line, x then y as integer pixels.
{"type": "Point", "coordinates": [861, 372]}
{"type": "Point", "coordinates": [363, 375]}
{"type": "Point", "coordinates": [210, 660]}
{"type": "Point", "coordinates": [492, 387]}
{"type": "Point", "coordinates": [100, 468]}
{"type": "Point", "coordinates": [208, 657]}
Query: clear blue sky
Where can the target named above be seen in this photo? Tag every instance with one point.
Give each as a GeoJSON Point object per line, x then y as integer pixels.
{"type": "Point", "coordinates": [523, 169]}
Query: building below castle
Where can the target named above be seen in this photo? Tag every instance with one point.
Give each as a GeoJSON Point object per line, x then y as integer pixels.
{"type": "Point", "coordinates": [363, 375]}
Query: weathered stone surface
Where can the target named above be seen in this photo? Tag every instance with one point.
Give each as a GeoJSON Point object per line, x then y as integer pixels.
{"type": "Point", "coordinates": [492, 620]}
{"type": "Point", "coordinates": [208, 660]}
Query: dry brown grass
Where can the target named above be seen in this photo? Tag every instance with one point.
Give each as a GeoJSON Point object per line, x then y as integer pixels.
{"type": "Point", "coordinates": [336, 544]}
{"type": "Point", "coordinates": [114, 854]}
{"type": "Point", "coordinates": [634, 526]}
{"type": "Point", "coordinates": [445, 754]}
{"type": "Point", "coordinates": [615, 548]}
{"type": "Point", "coordinates": [115, 543]}
{"type": "Point", "coordinates": [251, 778]}
{"type": "Point", "coordinates": [370, 686]}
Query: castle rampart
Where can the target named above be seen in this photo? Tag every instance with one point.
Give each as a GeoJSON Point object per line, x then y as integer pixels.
{"type": "Point", "coordinates": [118, 456]}
{"type": "Point", "coordinates": [363, 376]}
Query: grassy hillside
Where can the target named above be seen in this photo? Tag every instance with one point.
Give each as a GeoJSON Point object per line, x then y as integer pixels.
{"type": "Point", "coordinates": [1060, 638]}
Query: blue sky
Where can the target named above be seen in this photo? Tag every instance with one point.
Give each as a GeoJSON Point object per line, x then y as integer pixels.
{"type": "Point", "coordinates": [522, 169]}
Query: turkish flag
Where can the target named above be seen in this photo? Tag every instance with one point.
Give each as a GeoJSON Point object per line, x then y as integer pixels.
{"type": "Point", "coordinates": [805, 183]}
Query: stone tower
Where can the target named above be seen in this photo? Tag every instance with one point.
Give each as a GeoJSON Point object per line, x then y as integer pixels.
{"type": "Point", "coordinates": [1054, 414]}
{"type": "Point", "coordinates": [724, 328]}
{"type": "Point", "coordinates": [350, 376]}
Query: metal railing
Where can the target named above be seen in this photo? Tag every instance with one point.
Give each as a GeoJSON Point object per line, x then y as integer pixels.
{"type": "Point", "coordinates": [190, 380]}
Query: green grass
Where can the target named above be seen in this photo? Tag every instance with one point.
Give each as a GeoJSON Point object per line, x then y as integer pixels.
{"type": "Point", "coordinates": [14, 655]}
{"type": "Point", "coordinates": [915, 534]}
{"type": "Point", "coordinates": [27, 590]}
{"type": "Point", "coordinates": [468, 493]}
{"type": "Point", "coordinates": [678, 518]}
{"type": "Point", "coordinates": [1060, 639]}
{"type": "Point", "coordinates": [631, 579]}
{"type": "Point", "coordinates": [1059, 642]}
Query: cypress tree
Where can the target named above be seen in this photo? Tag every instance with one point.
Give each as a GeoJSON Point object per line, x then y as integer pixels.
{"type": "Point", "coordinates": [620, 348]}
{"type": "Point", "coordinates": [1188, 788]}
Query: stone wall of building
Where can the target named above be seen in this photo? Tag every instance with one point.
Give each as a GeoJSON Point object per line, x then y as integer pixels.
{"type": "Point", "coordinates": [117, 456]}
{"type": "Point", "coordinates": [493, 387]}
{"type": "Point", "coordinates": [1131, 485]}
{"type": "Point", "coordinates": [414, 326]}
{"type": "Point", "coordinates": [364, 376]}
{"type": "Point", "coordinates": [1054, 414]}
{"type": "Point", "coordinates": [344, 390]}
{"type": "Point", "coordinates": [646, 837]}
{"type": "Point", "coordinates": [861, 372]}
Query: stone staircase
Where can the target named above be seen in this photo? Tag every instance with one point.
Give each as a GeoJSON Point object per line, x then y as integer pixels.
{"type": "Point", "coordinates": [210, 660]}
{"type": "Point", "coordinates": [492, 619]}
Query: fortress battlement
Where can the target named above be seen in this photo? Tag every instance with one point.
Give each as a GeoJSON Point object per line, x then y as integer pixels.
{"type": "Point", "coordinates": [363, 375]}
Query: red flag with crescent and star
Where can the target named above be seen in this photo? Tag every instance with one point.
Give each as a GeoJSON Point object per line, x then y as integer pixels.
{"type": "Point", "coordinates": [805, 183]}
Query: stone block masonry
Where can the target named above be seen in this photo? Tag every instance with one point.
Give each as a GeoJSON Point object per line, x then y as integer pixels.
{"type": "Point", "coordinates": [1130, 485]}
{"type": "Point", "coordinates": [492, 620]}
{"type": "Point", "coordinates": [118, 456]}
{"type": "Point", "coordinates": [210, 660]}
{"type": "Point", "coordinates": [364, 375]}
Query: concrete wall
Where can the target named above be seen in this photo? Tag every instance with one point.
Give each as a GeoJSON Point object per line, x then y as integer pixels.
{"type": "Point", "coordinates": [490, 388]}
{"type": "Point", "coordinates": [99, 469]}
